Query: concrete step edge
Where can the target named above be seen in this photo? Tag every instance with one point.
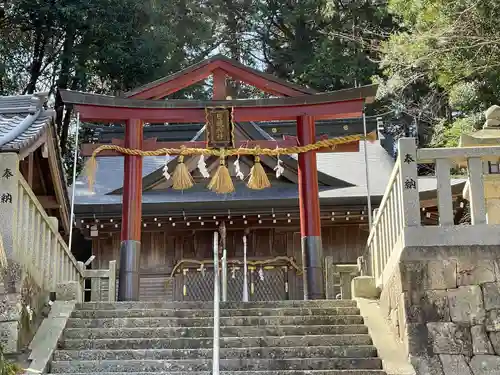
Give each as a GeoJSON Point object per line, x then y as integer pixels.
{"type": "Point", "coordinates": [224, 306]}
{"type": "Point", "coordinates": [210, 311]}
{"type": "Point", "coordinates": [229, 317]}
{"type": "Point", "coordinates": [258, 372]}
{"type": "Point", "coordinates": [225, 338]}
{"type": "Point", "coordinates": [222, 350]}
{"type": "Point", "coordinates": [207, 327]}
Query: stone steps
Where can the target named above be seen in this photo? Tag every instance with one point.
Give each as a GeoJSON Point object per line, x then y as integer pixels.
{"type": "Point", "coordinates": [224, 322]}
{"type": "Point", "coordinates": [357, 351]}
{"type": "Point", "coordinates": [258, 338]}
{"type": "Point", "coordinates": [209, 305]}
{"type": "Point", "coordinates": [225, 342]}
{"type": "Point", "coordinates": [235, 331]}
{"type": "Point", "coordinates": [179, 313]}
{"type": "Point", "coordinates": [276, 372]}
{"type": "Point", "coordinates": [254, 364]}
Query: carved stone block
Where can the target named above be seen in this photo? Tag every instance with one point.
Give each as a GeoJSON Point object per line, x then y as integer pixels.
{"type": "Point", "coordinates": [69, 291]}
{"type": "Point", "coordinates": [491, 292]}
{"type": "Point", "coordinates": [485, 364]}
{"type": "Point", "coordinates": [418, 339]}
{"type": "Point", "coordinates": [10, 307]}
{"type": "Point", "coordinates": [429, 306]}
{"type": "Point", "coordinates": [466, 305]}
{"type": "Point", "coordinates": [450, 338]}
{"type": "Point", "coordinates": [455, 365]}
{"type": "Point", "coordinates": [475, 271]}
{"type": "Point", "coordinates": [495, 341]}
{"type": "Point", "coordinates": [427, 275]}
{"type": "Point", "coordinates": [493, 320]}
{"type": "Point", "coordinates": [426, 365]}
{"type": "Point", "coordinates": [9, 336]}
{"type": "Point", "coordinates": [480, 342]}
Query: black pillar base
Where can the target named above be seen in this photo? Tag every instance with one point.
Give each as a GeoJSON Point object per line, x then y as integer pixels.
{"type": "Point", "coordinates": [129, 278]}
{"type": "Point", "coordinates": [312, 260]}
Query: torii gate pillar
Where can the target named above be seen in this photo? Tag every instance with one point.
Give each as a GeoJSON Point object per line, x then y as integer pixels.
{"type": "Point", "coordinates": [310, 221]}
{"type": "Point", "coordinates": [130, 248]}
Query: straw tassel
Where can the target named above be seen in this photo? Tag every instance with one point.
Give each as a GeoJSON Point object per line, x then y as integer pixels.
{"type": "Point", "coordinates": [181, 178]}
{"type": "Point", "coordinates": [371, 137]}
{"type": "Point", "coordinates": [222, 182]}
{"type": "Point", "coordinates": [258, 177]}
{"type": "Point", "coordinates": [90, 171]}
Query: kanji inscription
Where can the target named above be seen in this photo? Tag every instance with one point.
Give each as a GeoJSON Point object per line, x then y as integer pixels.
{"type": "Point", "coordinates": [410, 183]}
{"type": "Point", "coordinates": [409, 159]}
{"type": "Point", "coordinates": [219, 128]}
{"type": "Point", "coordinates": [6, 198]}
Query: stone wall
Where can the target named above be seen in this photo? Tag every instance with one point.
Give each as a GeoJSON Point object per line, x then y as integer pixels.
{"type": "Point", "coordinates": [444, 304]}
{"type": "Point", "coordinates": [20, 315]}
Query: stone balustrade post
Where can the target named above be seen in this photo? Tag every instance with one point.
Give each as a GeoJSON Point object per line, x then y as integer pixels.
{"type": "Point", "coordinates": [329, 278]}
{"type": "Point", "coordinates": [407, 159]}
{"type": "Point", "coordinates": [9, 188]}
{"type": "Point", "coordinates": [112, 281]}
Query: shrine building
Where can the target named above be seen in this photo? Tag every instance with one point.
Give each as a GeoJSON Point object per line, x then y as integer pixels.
{"type": "Point", "coordinates": [176, 226]}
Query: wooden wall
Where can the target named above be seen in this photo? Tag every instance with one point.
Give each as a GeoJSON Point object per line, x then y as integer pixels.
{"type": "Point", "coordinates": [162, 250]}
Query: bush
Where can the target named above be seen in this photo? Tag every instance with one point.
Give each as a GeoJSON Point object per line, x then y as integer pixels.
{"type": "Point", "coordinates": [7, 367]}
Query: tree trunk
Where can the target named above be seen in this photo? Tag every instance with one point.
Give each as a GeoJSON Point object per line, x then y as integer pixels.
{"type": "Point", "coordinates": [79, 82]}
{"type": "Point", "coordinates": [43, 25]}
{"type": "Point", "coordinates": [63, 81]}
{"type": "Point", "coordinates": [37, 61]}
{"type": "Point", "coordinates": [233, 44]}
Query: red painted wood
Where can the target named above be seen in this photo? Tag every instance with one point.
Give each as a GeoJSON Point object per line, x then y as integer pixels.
{"type": "Point", "coordinates": [220, 90]}
{"type": "Point", "coordinates": [326, 111]}
{"type": "Point", "coordinates": [335, 110]}
{"type": "Point", "coordinates": [176, 84]}
{"type": "Point", "coordinates": [132, 183]}
{"type": "Point", "coordinates": [241, 73]}
{"type": "Point", "coordinates": [310, 222]}
{"type": "Point", "coordinates": [259, 82]}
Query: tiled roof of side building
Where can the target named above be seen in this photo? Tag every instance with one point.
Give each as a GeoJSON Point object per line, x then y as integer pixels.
{"type": "Point", "coordinates": [23, 121]}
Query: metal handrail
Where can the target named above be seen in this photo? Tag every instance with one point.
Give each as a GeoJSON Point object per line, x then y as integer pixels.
{"type": "Point", "coordinates": [224, 275]}
{"type": "Point", "coordinates": [216, 346]}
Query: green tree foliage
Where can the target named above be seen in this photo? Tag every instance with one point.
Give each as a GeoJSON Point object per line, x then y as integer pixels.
{"type": "Point", "coordinates": [104, 46]}
{"type": "Point", "coordinates": [436, 60]}
{"type": "Point", "coordinates": [325, 44]}
{"type": "Point", "coordinates": [442, 66]}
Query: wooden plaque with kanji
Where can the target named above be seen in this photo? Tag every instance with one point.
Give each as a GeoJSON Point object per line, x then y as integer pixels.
{"type": "Point", "coordinates": [219, 128]}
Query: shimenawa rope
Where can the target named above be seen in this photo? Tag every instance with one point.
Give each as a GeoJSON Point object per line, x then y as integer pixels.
{"type": "Point", "coordinates": [221, 181]}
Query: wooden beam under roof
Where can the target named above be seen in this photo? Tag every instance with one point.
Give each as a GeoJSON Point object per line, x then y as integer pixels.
{"type": "Point", "coordinates": [49, 202]}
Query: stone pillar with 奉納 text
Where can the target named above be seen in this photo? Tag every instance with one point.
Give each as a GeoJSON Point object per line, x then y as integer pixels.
{"type": "Point", "coordinates": [9, 183]}
{"type": "Point", "coordinates": [10, 302]}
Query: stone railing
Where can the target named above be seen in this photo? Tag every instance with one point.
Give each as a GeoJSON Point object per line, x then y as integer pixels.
{"type": "Point", "coordinates": [338, 278]}
{"type": "Point", "coordinates": [387, 226]}
{"type": "Point", "coordinates": [102, 282]}
{"type": "Point", "coordinates": [38, 246]}
{"type": "Point", "coordinates": [398, 224]}
{"type": "Point", "coordinates": [35, 259]}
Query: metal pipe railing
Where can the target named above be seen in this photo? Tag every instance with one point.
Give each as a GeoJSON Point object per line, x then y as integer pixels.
{"type": "Point", "coordinates": [224, 275]}
{"type": "Point", "coordinates": [216, 346]}
{"type": "Point", "coordinates": [245, 270]}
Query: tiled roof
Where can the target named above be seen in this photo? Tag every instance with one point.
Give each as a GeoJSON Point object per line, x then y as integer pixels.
{"type": "Point", "coordinates": [23, 121]}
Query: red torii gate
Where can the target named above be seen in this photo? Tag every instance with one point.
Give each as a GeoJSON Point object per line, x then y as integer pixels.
{"type": "Point", "coordinates": [295, 103]}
